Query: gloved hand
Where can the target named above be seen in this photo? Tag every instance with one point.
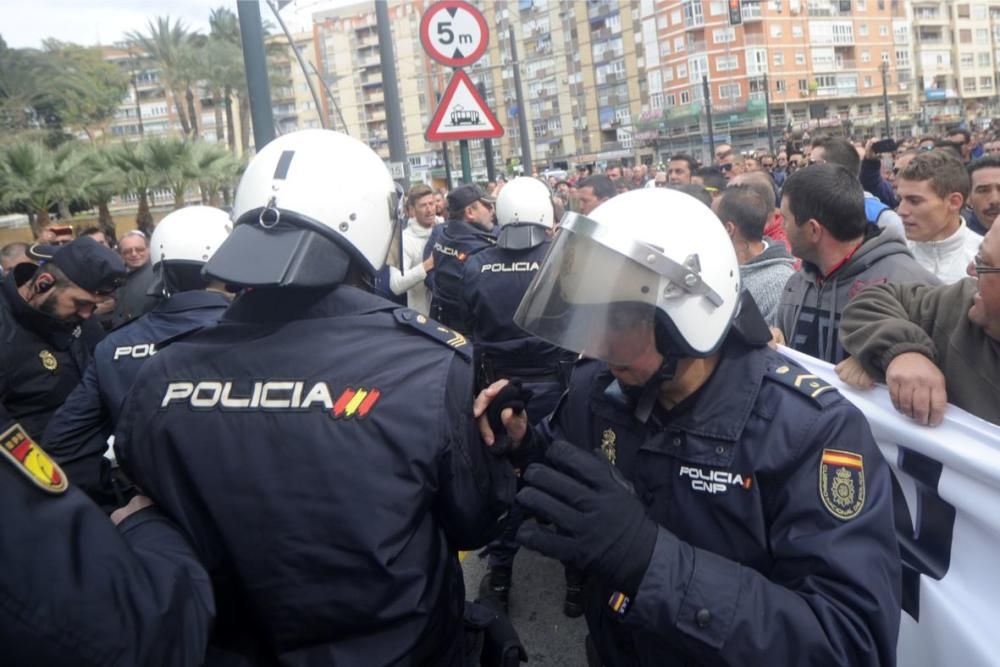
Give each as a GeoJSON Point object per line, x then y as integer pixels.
{"type": "Point", "coordinates": [599, 525]}
{"type": "Point", "coordinates": [512, 396]}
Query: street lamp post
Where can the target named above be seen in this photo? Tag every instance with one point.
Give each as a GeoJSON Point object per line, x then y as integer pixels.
{"type": "Point", "coordinates": [884, 68]}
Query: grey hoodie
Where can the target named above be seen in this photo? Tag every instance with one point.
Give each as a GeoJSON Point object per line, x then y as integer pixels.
{"type": "Point", "coordinates": [765, 276]}
{"type": "Point", "coordinates": [811, 305]}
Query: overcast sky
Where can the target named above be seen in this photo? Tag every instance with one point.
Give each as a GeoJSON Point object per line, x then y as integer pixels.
{"type": "Point", "coordinates": [27, 22]}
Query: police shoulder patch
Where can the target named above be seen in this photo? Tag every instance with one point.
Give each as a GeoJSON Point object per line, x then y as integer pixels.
{"type": "Point", "coordinates": [803, 382]}
{"type": "Point", "coordinates": [435, 330]}
{"type": "Point", "coordinates": [25, 455]}
{"type": "Point", "coordinates": [842, 483]}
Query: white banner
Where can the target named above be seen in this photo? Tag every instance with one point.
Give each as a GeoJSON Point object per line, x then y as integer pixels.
{"type": "Point", "coordinates": [950, 477]}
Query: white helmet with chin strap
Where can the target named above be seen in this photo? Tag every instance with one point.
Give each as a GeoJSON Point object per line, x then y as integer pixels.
{"type": "Point", "coordinates": [656, 258]}
{"type": "Point", "coordinates": [525, 213]}
{"type": "Point", "coordinates": [311, 205]}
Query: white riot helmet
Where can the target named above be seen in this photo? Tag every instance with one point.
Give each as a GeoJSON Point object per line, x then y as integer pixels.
{"type": "Point", "coordinates": [525, 200]}
{"type": "Point", "coordinates": [525, 213]}
{"type": "Point", "coordinates": [655, 258]}
{"type": "Point", "coordinates": [181, 245]}
{"type": "Point", "coordinates": [310, 205]}
{"type": "Point", "coordinates": [191, 234]}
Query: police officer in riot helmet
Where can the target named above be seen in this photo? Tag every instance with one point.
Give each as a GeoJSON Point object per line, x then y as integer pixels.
{"type": "Point", "coordinates": [724, 502]}
{"type": "Point", "coordinates": [77, 434]}
{"type": "Point", "coordinates": [317, 444]}
{"type": "Point", "coordinates": [493, 282]}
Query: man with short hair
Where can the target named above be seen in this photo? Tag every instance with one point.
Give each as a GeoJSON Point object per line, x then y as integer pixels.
{"type": "Point", "coordinates": [45, 326]}
{"type": "Point", "coordinates": [613, 171]}
{"type": "Point", "coordinates": [731, 165]}
{"type": "Point", "coordinates": [761, 183]}
{"type": "Point", "coordinates": [932, 192]}
{"type": "Point", "coordinates": [13, 254]}
{"type": "Point", "coordinates": [839, 151]}
{"type": "Point", "coordinates": [962, 140]}
{"type": "Point", "coordinates": [133, 299]}
{"type": "Point", "coordinates": [722, 151]}
{"type": "Point", "coordinates": [824, 211]}
{"type": "Point", "coordinates": [96, 234]}
{"type": "Point", "coordinates": [593, 191]}
{"type": "Point", "coordinates": [410, 281]}
{"type": "Point", "coordinates": [984, 198]}
{"type": "Point", "coordinates": [469, 229]}
{"type": "Point", "coordinates": [931, 345]}
{"type": "Point", "coordinates": [901, 162]}
{"type": "Point", "coordinates": [711, 179]}
{"type": "Point", "coordinates": [765, 265]}
{"type": "Point", "coordinates": [680, 168]}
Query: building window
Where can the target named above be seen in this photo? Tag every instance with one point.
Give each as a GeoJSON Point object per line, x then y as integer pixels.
{"type": "Point", "coordinates": [797, 30]}
{"type": "Point", "coordinates": [967, 59]}
{"type": "Point", "coordinates": [671, 100]}
{"type": "Point", "coordinates": [986, 82]}
{"type": "Point", "coordinates": [717, 7]}
{"type": "Point", "coordinates": [664, 48]}
{"type": "Point", "coordinates": [866, 57]}
{"type": "Point", "coordinates": [863, 29]}
{"type": "Point", "coordinates": [984, 59]}
{"type": "Point", "coordinates": [668, 74]}
{"type": "Point", "coordinates": [779, 59]}
{"type": "Point", "coordinates": [883, 30]}
{"type": "Point", "coordinates": [682, 71]}
{"type": "Point", "coordinates": [678, 44]}
{"type": "Point", "coordinates": [800, 58]}
{"type": "Point", "coordinates": [779, 85]}
{"type": "Point", "coordinates": [685, 97]}
{"type": "Point", "coordinates": [902, 58]}
{"type": "Point", "coordinates": [862, 6]}
{"type": "Point", "coordinates": [965, 36]}
{"type": "Point", "coordinates": [969, 83]}
{"type": "Point", "coordinates": [803, 86]}
{"type": "Point", "coordinates": [868, 82]}
{"type": "Point", "coordinates": [724, 35]}
{"type": "Point", "coordinates": [728, 91]}
{"type": "Point", "coordinates": [982, 36]}
{"type": "Point", "coordinates": [775, 30]}
{"type": "Point", "coordinates": [727, 63]}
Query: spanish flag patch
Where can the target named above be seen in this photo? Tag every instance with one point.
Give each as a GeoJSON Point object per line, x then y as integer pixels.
{"type": "Point", "coordinates": [25, 454]}
{"type": "Point", "coordinates": [842, 483]}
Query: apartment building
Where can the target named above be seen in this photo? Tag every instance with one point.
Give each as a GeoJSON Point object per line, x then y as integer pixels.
{"type": "Point", "coordinates": [957, 47]}
{"type": "Point", "coordinates": [292, 102]}
{"type": "Point", "coordinates": [820, 60]}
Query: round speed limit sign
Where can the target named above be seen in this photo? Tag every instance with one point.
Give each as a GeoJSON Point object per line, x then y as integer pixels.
{"type": "Point", "coordinates": [454, 33]}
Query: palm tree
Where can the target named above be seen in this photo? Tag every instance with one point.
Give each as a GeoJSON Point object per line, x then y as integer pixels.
{"type": "Point", "coordinates": [29, 177]}
{"type": "Point", "coordinates": [227, 71]}
{"type": "Point", "coordinates": [217, 171]}
{"type": "Point", "coordinates": [167, 44]}
{"type": "Point", "coordinates": [131, 159]}
{"type": "Point", "coordinates": [101, 180]}
{"type": "Point", "coordinates": [171, 161]}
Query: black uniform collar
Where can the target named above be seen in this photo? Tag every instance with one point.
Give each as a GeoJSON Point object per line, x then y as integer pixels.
{"type": "Point", "coordinates": [283, 304]}
{"type": "Point", "coordinates": [191, 300]}
{"type": "Point", "coordinates": [720, 408]}
{"type": "Point", "coordinates": [57, 333]}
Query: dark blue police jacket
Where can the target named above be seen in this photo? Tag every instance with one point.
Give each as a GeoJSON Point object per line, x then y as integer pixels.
{"type": "Point", "coordinates": [76, 436]}
{"type": "Point", "coordinates": [76, 590]}
{"type": "Point", "coordinates": [781, 501]}
{"type": "Point", "coordinates": [319, 448]}
{"type": "Point", "coordinates": [452, 248]}
{"type": "Point", "coordinates": [493, 283]}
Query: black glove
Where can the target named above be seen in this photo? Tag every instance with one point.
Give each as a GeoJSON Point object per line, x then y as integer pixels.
{"type": "Point", "coordinates": [512, 396]}
{"type": "Point", "coordinates": [601, 527]}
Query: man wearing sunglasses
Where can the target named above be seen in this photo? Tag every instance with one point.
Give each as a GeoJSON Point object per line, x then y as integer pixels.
{"type": "Point", "coordinates": [45, 324]}
{"type": "Point", "coordinates": [930, 345]}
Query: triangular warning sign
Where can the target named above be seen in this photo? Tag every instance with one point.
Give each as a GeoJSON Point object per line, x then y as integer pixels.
{"type": "Point", "coordinates": [462, 113]}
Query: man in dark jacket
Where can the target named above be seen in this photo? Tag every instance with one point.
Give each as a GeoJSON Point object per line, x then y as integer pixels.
{"type": "Point", "coordinates": [45, 327]}
{"type": "Point", "coordinates": [76, 591]}
{"type": "Point", "coordinates": [317, 444]}
{"type": "Point", "coordinates": [469, 229]}
{"type": "Point", "coordinates": [77, 434]}
{"type": "Point", "coordinates": [824, 211]}
{"type": "Point", "coordinates": [723, 501]}
{"type": "Point", "coordinates": [133, 298]}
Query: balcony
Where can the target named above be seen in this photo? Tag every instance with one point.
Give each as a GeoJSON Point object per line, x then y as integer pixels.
{"type": "Point", "coordinates": [376, 117]}
{"type": "Point", "coordinates": [371, 80]}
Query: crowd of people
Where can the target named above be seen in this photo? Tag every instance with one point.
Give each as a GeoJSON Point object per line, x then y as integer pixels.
{"type": "Point", "coordinates": [262, 436]}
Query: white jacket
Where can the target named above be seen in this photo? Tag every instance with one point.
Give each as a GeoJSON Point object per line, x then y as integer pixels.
{"type": "Point", "coordinates": [411, 279]}
{"type": "Point", "coordinates": [948, 258]}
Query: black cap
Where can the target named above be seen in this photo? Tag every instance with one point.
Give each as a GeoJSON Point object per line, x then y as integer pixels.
{"type": "Point", "coordinates": [86, 262]}
{"type": "Point", "coordinates": [466, 195]}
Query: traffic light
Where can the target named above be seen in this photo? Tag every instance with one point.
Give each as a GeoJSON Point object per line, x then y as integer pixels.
{"type": "Point", "coordinates": [735, 14]}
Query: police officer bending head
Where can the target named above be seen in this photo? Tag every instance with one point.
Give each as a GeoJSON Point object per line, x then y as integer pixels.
{"type": "Point", "coordinates": [722, 500]}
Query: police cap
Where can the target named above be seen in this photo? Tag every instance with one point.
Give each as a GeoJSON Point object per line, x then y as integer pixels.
{"type": "Point", "coordinates": [86, 262]}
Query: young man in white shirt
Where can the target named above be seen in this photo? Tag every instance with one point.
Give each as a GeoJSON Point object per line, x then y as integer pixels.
{"type": "Point", "coordinates": [420, 203]}
{"type": "Point", "coordinates": [932, 191]}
